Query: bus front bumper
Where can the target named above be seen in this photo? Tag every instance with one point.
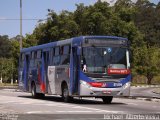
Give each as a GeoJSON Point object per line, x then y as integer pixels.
{"type": "Point", "coordinates": [87, 90]}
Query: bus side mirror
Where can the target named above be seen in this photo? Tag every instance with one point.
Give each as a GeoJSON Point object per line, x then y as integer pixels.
{"type": "Point", "coordinates": [79, 50]}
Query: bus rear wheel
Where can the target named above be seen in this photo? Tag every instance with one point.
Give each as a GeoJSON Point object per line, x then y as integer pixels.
{"type": "Point", "coordinates": [65, 94]}
{"type": "Point", "coordinates": [107, 99]}
{"type": "Point", "coordinates": [34, 93]}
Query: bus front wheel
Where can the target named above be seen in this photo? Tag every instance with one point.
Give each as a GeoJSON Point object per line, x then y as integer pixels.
{"type": "Point", "coordinates": [107, 99]}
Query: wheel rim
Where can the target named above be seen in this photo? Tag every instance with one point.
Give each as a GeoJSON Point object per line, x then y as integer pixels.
{"type": "Point", "coordinates": [33, 90]}
{"type": "Point", "coordinates": [65, 93]}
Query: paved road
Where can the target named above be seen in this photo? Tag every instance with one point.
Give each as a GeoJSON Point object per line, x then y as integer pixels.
{"type": "Point", "coordinates": [144, 92]}
{"type": "Point", "coordinates": [29, 108]}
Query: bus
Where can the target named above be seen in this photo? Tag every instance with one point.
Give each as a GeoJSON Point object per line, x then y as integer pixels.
{"type": "Point", "coordinates": [85, 66]}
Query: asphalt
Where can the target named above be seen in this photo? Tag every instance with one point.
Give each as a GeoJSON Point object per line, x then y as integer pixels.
{"type": "Point", "coordinates": [156, 90]}
{"type": "Point", "coordinates": [145, 92]}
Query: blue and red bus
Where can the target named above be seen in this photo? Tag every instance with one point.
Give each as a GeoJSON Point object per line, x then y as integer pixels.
{"type": "Point", "coordinates": [85, 66]}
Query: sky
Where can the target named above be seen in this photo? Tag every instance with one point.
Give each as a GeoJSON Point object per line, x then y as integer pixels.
{"type": "Point", "coordinates": [33, 9]}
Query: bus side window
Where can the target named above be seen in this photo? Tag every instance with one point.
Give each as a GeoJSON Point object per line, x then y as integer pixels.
{"type": "Point", "coordinates": [37, 58]}
{"type": "Point", "coordinates": [52, 54]}
{"type": "Point", "coordinates": [65, 57]}
{"type": "Point", "coordinates": [39, 54]}
{"type": "Point", "coordinates": [61, 50]}
{"type": "Point", "coordinates": [32, 59]}
{"type": "Point", "coordinates": [56, 58]}
{"type": "Point", "coordinates": [35, 54]}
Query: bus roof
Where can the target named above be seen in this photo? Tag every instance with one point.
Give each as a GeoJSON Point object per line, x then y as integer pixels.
{"type": "Point", "coordinates": [68, 41]}
{"type": "Point", "coordinates": [112, 37]}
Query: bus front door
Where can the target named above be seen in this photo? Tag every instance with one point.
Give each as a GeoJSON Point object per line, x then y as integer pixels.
{"type": "Point", "coordinates": [25, 73]}
{"type": "Point", "coordinates": [45, 63]}
{"type": "Point", "coordinates": [74, 79]}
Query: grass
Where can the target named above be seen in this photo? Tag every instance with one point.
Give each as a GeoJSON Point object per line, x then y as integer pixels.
{"type": "Point", "coordinates": [138, 84]}
{"type": "Point", "coordinates": [8, 84]}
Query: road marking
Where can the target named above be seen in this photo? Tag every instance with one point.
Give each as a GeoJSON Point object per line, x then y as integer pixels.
{"type": "Point", "coordinates": [132, 104]}
{"type": "Point", "coordinates": [41, 102]}
{"type": "Point", "coordinates": [36, 112]}
{"type": "Point", "coordinates": [4, 102]}
{"type": "Point", "coordinates": [73, 111]}
{"type": "Point", "coordinates": [48, 103]}
{"type": "Point", "coordinates": [155, 106]}
{"type": "Point", "coordinates": [98, 110]}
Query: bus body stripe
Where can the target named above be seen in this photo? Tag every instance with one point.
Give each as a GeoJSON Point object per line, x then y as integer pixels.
{"type": "Point", "coordinates": [42, 77]}
{"type": "Point", "coordinates": [108, 84]}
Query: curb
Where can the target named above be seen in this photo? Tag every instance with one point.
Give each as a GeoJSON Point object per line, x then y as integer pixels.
{"type": "Point", "coordinates": [8, 87]}
{"type": "Point", "coordinates": [156, 91]}
{"type": "Point", "coordinates": [146, 86]}
{"type": "Point", "coordinates": [149, 99]}
{"type": "Point", "coordinates": [11, 89]}
{"type": "Point", "coordinates": [154, 99]}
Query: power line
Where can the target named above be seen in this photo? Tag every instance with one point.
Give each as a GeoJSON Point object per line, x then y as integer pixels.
{"type": "Point", "coordinates": [12, 19]}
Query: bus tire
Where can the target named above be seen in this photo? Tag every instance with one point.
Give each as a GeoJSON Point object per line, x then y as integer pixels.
{"type": "Point", "coordinates": [33, 91]}
{"type": "Point", "coordinates": [107, 99]}
{"type": "Point", "coordinates": [40, 95]}
{"type": "Point", "coordinates": [65, 94]}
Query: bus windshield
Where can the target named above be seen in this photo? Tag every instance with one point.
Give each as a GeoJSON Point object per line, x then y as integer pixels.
{"type": "Point", "coordinates": [100, 59]}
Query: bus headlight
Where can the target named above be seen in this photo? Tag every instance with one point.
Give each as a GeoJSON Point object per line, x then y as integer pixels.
{"type": "Point", "coordinates": [85, 83]}
{"type": "Point", "coordinates": [126, 85]}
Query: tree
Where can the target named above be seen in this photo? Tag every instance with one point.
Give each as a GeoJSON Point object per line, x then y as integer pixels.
{"type": "Point", "coordinates": [93, 18]}
{"type": "Point", "coordinates": [125, 9]}
{"type": "Point", "coordinates": [7, 69]}
{"type": "Point", "coordinates": [147, 62]}
{"type": "Point", "coordinates": [29, 40]}
{"type": "Point", "coordinates": [5, 46]}
{"type": "Point", "coordinates": [67, 26]}
{"type": "Point", "coordinates": [56, 27]}
{"type": "Point", "coordinates": [146, 21]}
{"type": "Point", "coordinates": [157, 24]}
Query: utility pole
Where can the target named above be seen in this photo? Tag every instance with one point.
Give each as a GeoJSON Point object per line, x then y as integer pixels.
{"type": "Point", "coordinates": [1, 73]}
{"type": "Point", "coordinates": [1, 79]}
{"type": "Point", "coordinates": [12, 73]}
{"type": "Point", "coordinates": [20, 40]}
